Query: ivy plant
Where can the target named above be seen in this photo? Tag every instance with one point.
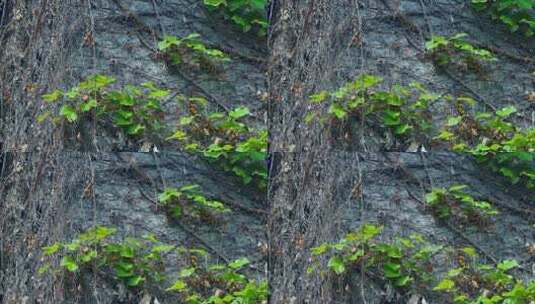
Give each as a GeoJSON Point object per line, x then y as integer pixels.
{"type": "Point", "coordinates": [406, 264]}
{"type": "Point", "coordinates": [470, 282]}
{"type": "Point", "coordinates": [515, 14]}
{"type": "Point", "coordinates": [403, 111]}
{"type": "Point", "coordinates": [190, 50]}
{"type": "Point", "coordinates": [402, 263]}
{"type": "Point", "coordinates": [219, 283]}
{"type": "Point", "coordinates": [493, 139]}
{"type": "Point", "coordinates": [458, 52]}
{"type": "Point", "coordinates": [138, 263]}
{"type": "Point", "coordinates": [224, 138]}
{"type": "Point", "coordinates": [136, 110]}
{"type": "Point", "coordinates": [134, 262]}
{"type": "Point", "coordinates": [454, 202]}
{"type": "Point", "coordinates": [190, 201]}
{"type": "Point", "coordinates": [247, 14]}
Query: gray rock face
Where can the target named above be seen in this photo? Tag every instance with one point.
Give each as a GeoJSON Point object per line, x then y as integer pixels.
{"type": "Point", "coordinates": [44, 191]}
{"type": "Point", "coordinates": [320, 45]}
{"type": "Point", "coordinates": [42, 184]}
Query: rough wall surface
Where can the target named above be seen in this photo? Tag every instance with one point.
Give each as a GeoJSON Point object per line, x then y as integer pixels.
{"type": "Point", "coordinates": [44, 184]}
{"type": "Point", "coordinates": [315, 45]}
{"type": "Point", "coordinates": [320, 45]}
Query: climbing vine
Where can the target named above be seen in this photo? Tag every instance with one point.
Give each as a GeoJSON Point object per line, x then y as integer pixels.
{"type": "Point", "coordinates": [472, 282]}
{"type": "Point", "coordinates": [224, 138]}
{"type": "Point", "coordinates": [139, 263]}
{"type": "Point", "coordinates": [191, 51]}
{"type": "Point", "coordinates": [189, 201]}
{"type": "Point", "coordinates": [135, 263]}
{"type": "Point", "coordinates": [136, 110]}
{"type": "Point", "coordinates": [404, 263]}
{"type": "Point", "coordinates": [233, 144]}
{"type": "Point", "coordinates": [456, 51]}
{"type": "Point", "coordinates": [247, 14]}
{"type": "Point", "coordinates": [493, 139]}
{"type": "Point", "coordinates": [402, 111]}
{"type": "Point", "coordinates": [407, 264]}
{"type": "Point", "coordinates": [454, 202]}
{"type": "Point", "coordinates": [221, 283]}
{"type": "Point", "coordinates": [515, 14]}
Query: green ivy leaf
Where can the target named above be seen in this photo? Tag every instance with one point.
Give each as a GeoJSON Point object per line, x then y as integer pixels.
{"type": "Point", "coordinates": [402, 129]}
{"type": "Point", "coordinates": [369, 231]}
{"type": "Point", "coordinates": [90, 104]}
{"type": "Point", "coordinates": [453, 121]}
{"type": "Point", "coordinates": [135, 281]}
{"type": "Point", "coordinates": [127, 252]}
{"type": "Point", "coordinates": [506, 112]}
{"type": "Point", "coordinates": [455, 272]}
{"type": "Point", "coordinates": [50, 250]}
{"type": "Point", "coordinates": [445, 135]}
{"type": "Point", "coordinates": [178, 135]}
{"type": "Point", "coordinates": [319, 250]}
{"type": "Point", "coordinates": [392, 270]}
{"type": "Point", "coordinates": [52, 97]}
{"type": "Point", "coordinates": [187, 272]}
{"type": "Point", "coordinates": [337, 110]}
{"type": "Point", "coordinates": [445, 284]}
{"type": "Point", "coordinates": [69, 113]}
{"type": "Point", "coordinates": [239, 112]}
{"type": "Point", "coordinates": [239, 263]}
{"type": "Point", "coordinates": [162, 248]}
{"type": "Point", "coordinates": [215, 3]}
{"type": "Point", "coordinates": [88, 256]}
{"type": "Point", "coordinates": [179, 286]}
{"type": "Point", "coordinates": [456, 188]}
{"type": "Point", "coordinates": [43, 269]}
{"type": "Point", "coordinates": [319, 97]}
{"type": "Point", "coordinates": [69, 263]}
{"type": "Point", "coordinates": [391, 118]}
{"type": "Point", "coordinates": [507, 265]}
{"type": "Point", "coordinates": [102, 232]}
{"type": "Point", "coordinates": [124, 270]}
{"type": "Point", "coordinates": [42, 117]}
{"type": "Point", "coordinates": [337, 265]}
{"type": "Point", "coordinates": [310, 117]}
{"type": "Point", "coordinates": [135, 129]}
{"type": "Point", "coordinates": [186, 120]}
{"type": "Point", "coordinates": [159, 93]}
{"type": "Point", "coordinates": [470, 251]}
{"type": "Point", "coordinates": [403, 281]}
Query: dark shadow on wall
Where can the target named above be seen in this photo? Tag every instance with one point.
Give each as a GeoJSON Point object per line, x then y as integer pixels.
{"type": "Point", "coordinates": [4, 9]}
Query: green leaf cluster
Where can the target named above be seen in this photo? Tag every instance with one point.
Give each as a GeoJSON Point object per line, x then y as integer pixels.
{"type": "Point", "coordinates": [226, 284]}
{"type": "Point", "coordinates": [470, 282]}
{"type": "Point", "coordinates": [191, 50]}
{"type": "Point", "coordinates": [454, 202]}
{"type": "Point", "coordinates": [224, 138]}
{"type": "Point", "coordinates": [134, 110]}
{"type": "Point", "coordinates": [403, 111]}
{"type": "Point", "coordinates": [139, 264]}
{"type": "Point", "coordinates": [247, 14]}
{"type": "Point", "coordinates": [401, 263]}
{"type": "Point", "coordinates": [407, 263]}
{"type": "Point", "coordinates": [190, 201]}
{"type": "Point", "coordinates": [493, 139]}
{"type": "Point", "coordinates": [515, 14]}
{"type": "Point", "coordinates": [134, 262]}
{"type": "Point", "coordinates": [455, 50]}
